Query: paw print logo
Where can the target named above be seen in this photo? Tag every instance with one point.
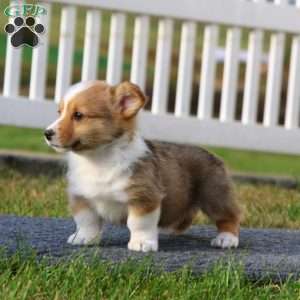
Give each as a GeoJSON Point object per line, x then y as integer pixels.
{"type": "Point", "coordinates": [24, 32]}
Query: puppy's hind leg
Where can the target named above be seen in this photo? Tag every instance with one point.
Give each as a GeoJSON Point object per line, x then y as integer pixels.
{"type": "Point", "coordinates": [228, 236]}
{"type": "Point", "coordinates": [219, 203]}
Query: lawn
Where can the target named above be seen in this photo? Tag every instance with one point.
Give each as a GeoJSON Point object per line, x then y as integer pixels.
{"type": "Point", "coordinates": [265, 206]}
{"type": "Point", "coordinates": [75, 280]}
{"type": "Point", "coordinates": [25, 278]}
{"type": "Point", "coordinates": [79, 280]}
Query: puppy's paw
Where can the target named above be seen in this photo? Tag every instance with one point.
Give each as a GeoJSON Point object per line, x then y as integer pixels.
{"type": "Point", "coordinates": [81, 237]}
{"type": "Point", "coordinates": [225, 240]}
{"type": "Point", "coordinates": [143, 245]}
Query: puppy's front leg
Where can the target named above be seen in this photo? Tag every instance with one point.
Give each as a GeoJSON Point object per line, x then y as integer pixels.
{"type": "Point", "coordinates": [88, 223]}
{"type": "Point", "coordinates": [143, 229]}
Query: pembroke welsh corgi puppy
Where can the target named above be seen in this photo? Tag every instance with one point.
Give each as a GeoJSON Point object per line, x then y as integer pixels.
{"type": "Point", "coordinates": [117, 176]}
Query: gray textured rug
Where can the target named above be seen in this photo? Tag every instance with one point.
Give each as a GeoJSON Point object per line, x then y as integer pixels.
{"type": "Point", "coordinates": [264, 253]}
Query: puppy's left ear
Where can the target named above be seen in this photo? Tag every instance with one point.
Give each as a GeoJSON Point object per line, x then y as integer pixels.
{"type": "Point", "coordinates": [129, 99]}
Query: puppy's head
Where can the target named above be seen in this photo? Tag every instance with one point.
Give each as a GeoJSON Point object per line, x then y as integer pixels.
{"type": "Point", "coordinates": [94, 113]}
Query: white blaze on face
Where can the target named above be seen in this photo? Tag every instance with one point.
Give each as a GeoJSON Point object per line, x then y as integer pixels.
{"type": "Point", "coordinates": [77, 88]}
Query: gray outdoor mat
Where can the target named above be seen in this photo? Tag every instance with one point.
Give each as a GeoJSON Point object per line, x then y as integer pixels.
{"type": "Point", "coordinates": [265, 253]}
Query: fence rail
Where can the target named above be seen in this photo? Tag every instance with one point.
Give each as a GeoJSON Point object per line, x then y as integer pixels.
{"type": "Point", "coordinates": [204, 127]}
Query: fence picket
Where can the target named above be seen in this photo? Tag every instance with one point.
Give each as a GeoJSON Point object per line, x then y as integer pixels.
{"type": "Point", "coordinates": [140, 51]}
{"type": "Point", "coordinates": [185, 69]}
{"type": "Point", "coordinates": [230, 79]}
{"type": "Point", "coordinates": [12, 69]}
{"type": "Point", "coordinates": [116, 47]}
{"type": "Point", "coordinates": [65, 52]}
{"type": "Point", "coordinates": [293, 97]}
{"type": "Point", "coordinates": [162, 66]}
{"type": "Point", "coordinates": [249, 112]}
{"type": "Point", "coordinates": [39, 59]}
{"type": "Point", "coordinates": [254, 60]}
{"type": "Point", "coordinates": [208, 69]}
{"type": "Point", "coordinates": [91, 45]}
{"type": "Point", "coordinates": [274, 80]}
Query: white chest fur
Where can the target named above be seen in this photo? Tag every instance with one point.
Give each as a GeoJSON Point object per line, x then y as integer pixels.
{"type": "Point", "coordinates": [102, 176]}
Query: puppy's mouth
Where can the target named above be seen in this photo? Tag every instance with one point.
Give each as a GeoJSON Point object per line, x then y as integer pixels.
{"type": "Point", "coordinates": [61, 148]}
{"type": "Point", "coordinates": [58, 148]}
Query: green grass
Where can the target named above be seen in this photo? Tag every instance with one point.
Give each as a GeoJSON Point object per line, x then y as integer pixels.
{"type": "Point", "coordinates": [265, 206]}
{"type": "Point", "coordinates": [27, 279]}
{"type": "Point", "coordinates": [31, 196]}
{"type": "Point", "coordinates": [13, 138]}
{"type": "Point", "coordinates": [260, 162]}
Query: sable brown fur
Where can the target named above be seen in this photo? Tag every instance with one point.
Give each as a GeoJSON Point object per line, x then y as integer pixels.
{"type": "Point", "coordinates": [184, 179]}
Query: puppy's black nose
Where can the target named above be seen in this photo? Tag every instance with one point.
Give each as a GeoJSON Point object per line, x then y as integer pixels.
{"type": "Point", "coordinates": [49, 133]}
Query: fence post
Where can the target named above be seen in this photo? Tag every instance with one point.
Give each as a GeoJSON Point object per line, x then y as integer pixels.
{"type": "Point", "coordinates": [293, 97]}
{"type": "Point", "coordinates": [116, 47]}
{"type": "Point", "coordinates": [249, 112]}
{"type": "Point", "coordinates": [185, 69]}
{"type": "Point", "coordinates": [91, 45]}
{"type": "Point", "coordinates": [230, 79]}
{"type": "Point", "coordinates": [208, 70]}
{"type": "Point", "coordinates": [12, 73]}
{"type": "Point", "coordinates": [40, 59]}
{"type": "Point", "coordinates": [162, 66]}
{"type": "Point", "coordinates": [274, 81]}
{"type": "Point", "coordinates": [140, 51]}
{"type": "Point", "coordinates": [65, 52]}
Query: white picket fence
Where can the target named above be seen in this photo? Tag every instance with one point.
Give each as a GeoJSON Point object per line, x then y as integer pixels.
{"type": "Point", "coordinates": [279, 18]}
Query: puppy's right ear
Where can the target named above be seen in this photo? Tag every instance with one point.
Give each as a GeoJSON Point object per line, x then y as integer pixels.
{"type": "Point", "coordinates": [129, 99]}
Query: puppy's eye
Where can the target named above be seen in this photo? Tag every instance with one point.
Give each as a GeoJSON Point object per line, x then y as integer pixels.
{"type": "Point", "coordinates": [59, 111]}
{"type": "Point", "coordinates": [77, 116]}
